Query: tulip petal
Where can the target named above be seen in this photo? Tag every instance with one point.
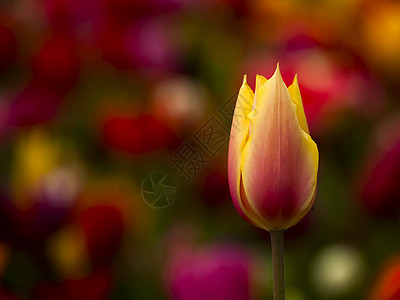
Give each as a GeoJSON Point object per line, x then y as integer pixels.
{"type": "Point", "coordinates": [238, 138]}
{"type": "Point", "coordinates": [260, 81]}
{"type": "Point", "coordinates": [279, 160]}
{"type": "Point", "coordinates": [295, 95]}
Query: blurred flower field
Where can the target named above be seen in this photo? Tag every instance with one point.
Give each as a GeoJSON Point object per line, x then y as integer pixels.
{"type": "Point", "coordinates": [114, 126]}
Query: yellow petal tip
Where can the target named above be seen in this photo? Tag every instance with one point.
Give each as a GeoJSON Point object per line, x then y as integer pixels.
{"type": "Point", "coordinates": [277, 71]}
{"type": "Point", "coordinates": [260, 81]}
{"type": "Point", "coordinates": [295, 80]}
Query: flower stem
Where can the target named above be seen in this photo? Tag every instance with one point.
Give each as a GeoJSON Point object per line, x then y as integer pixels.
{"type": "Point", "coordinates": [278, 267]}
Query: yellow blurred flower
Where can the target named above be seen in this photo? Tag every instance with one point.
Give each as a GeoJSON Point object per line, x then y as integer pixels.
{"type": "Point", "coordinates": [43, 164]}
{"type": "Point", "coordinates": [67, 251]}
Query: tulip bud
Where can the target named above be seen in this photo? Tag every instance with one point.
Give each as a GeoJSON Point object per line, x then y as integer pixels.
{"type": "Point", "coordinates": [272, 161]}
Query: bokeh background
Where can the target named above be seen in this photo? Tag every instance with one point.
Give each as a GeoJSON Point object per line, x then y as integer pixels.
{"type": "Point", "coordinates": [98, 95]}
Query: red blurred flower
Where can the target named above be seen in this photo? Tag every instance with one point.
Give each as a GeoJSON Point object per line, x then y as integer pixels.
{"type": "Point", "coordinates": [216, 273]}
{"type": "Point", "coordinates": [104, 228]}
{"type": "Point", "coordinates": [8, 49]}
{"type": "Point", "coordinates": [137, 135]}
{"type": "Point", "coordinates": [387, 286]}
{"type": "Point", "coordinates": [57, 63]}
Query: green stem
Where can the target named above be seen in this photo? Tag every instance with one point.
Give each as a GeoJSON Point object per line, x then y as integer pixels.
{"type": "Point", "coordinates": [278, 267]}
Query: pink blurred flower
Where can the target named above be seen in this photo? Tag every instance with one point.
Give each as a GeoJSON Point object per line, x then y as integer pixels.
{"type": "Point", "coordinates": [219, 272]}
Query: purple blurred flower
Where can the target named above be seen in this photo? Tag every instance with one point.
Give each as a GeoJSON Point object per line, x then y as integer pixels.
{"type": "Point", "coordinates": [220, 272]}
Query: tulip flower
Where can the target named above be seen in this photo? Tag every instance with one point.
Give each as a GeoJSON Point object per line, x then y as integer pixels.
{"type": "Point", "coordinates": [272, 161]}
